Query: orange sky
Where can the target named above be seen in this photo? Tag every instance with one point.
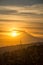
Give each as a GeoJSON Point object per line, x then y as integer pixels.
{"type": "Point", "coordinates": [27, 18]}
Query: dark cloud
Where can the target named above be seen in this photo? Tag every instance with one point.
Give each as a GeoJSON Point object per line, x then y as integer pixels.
{"type": "Point", "coordinates": [20, 2]}
{"type": "Point", "coordinates": [6, 20]}
{"type": "Point", "coordinates": [30, 13]}
{"type": "Point", "coordinates": [7, 12]}
{"type": "Point", "coordinates": [35, 28]}
{"type": "Point", "coordinates": [38, 33]}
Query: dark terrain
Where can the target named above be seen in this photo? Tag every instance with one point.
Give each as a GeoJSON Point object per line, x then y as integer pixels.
{"type": "Point", "coordinates": [28, 54]}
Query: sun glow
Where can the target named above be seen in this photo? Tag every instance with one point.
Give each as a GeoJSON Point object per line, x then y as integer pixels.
{"type": "Point", "coordinates": [15, 33]}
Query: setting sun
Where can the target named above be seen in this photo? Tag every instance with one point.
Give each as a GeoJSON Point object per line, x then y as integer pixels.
{"type": "Point", "coordinates": [15, 33]}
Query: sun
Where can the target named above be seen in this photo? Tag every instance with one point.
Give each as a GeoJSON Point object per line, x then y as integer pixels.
{"type": "Point", "coordinates": [15, 33]}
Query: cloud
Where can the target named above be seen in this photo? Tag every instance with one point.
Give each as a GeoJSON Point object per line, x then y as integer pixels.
{"type": "Point", "coordinates": [41, 33]}
{"type": "Point", "coordinates": [30, 13]}
{"type": "Point", "coordinates": [20, 2]}
{"type": "Point", "coordinates": [6, 20]}
{"type": "Point", "coordinates": [6, 12]}
{"type": "Point", "coordinates": [20, 10]}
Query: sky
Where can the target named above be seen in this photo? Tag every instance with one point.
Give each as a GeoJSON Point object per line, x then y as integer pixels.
{"type": "Point", "coordinates": [25, 15]}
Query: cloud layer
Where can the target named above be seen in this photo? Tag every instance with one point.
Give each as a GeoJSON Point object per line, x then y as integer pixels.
{"type": "Point", "coordinates": [29, 12]}
{"type": "Point", "coordinates": [26, 10]}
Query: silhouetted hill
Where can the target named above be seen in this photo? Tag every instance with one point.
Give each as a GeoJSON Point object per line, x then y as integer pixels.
{"type": "Point", "coordinates": [25, 54]}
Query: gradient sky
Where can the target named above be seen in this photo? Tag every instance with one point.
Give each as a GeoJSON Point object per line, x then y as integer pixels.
{"type": "Point", "coordinates": [23, 14]}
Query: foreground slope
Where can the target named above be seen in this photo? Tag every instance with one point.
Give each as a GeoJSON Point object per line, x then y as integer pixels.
{"type": "Point", "coordinates": [28, 54]}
